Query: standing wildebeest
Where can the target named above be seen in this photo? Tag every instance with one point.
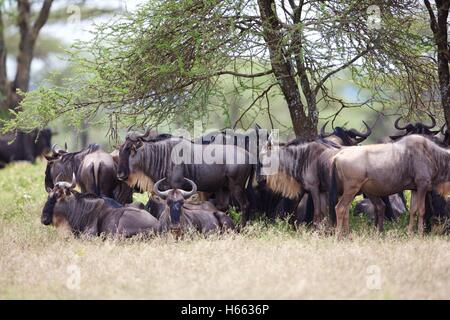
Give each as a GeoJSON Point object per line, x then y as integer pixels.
{"type": "Point", "coordinates": [24, 146]}
{"type": "Point", "coordinates": [179, 215]}
{"type": "Point", "coordinates": [92, 215]}
{"type": "Point", "coordinates": [301, 171]}
{"type": "Point", "coordinates": [94, 169]}
{"type": "Point", "coordinates": [143, 161]}
{"type": "Point", "coordinates": [413, 163]}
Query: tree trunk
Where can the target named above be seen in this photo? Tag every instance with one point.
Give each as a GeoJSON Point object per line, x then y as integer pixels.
{"type": "Point", "coordinates": [439, 28]}
{"type": "Point", "coordinates": [28, 35]}
{"type": "Point", "coordinates": [304, 128]}
{"type": "Point", "coordinates": [443, 59]}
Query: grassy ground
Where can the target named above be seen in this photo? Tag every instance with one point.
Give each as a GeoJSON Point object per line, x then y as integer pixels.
{"type": "Point", "coordinates": [267, 262]}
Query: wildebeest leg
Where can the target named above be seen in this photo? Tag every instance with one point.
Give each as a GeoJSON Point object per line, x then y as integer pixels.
{"type": "Point", "coordinates": [238, 192]}
{"type": "Point", "coordinates": [412, 212]}
{"type": "Point", "coordinates": [222, 199]}
{"type": "Point", "coordinates": [380, 208]}
{"type": "Point", "coordinates": [421, 209]}
{"type": "Point", "coordinates": [342, 211]}
{"type": "Point", "coordinates": [317, 207]}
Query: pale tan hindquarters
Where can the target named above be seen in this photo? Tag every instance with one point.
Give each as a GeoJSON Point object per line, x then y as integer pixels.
{"type": "Point", "coordinates": [443, 189]}
{"type": "Point", "coordinates": [284, 184]}
{"type": "Point", "coordinates": [140, 180]}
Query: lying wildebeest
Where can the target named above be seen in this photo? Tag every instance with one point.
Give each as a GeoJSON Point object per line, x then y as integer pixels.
{"type": "Point", "coordinates": [143, 161]}
{"type": "Point", "coordinates": [396, 201]}
{"type": "Point", "coordinates": [94, 169]}
{"type": "Point", "coordinates": [92, 215]}
{"type": "Point", "coordinates": [412, 163]}
{"type": "Point", "coordinates": [24, 146]}
{"type": "Point", "coordinates": [179, 215]}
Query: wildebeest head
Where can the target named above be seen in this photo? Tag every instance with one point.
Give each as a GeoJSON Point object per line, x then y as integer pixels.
{"type": "Point", "coordinates": [417, 128]}
{"type": "Point", "coordinates": [54, 166]}
{"type": "Point", "coordinates": [42, 142]}
{"type": "Point", "coordinates": [175, 200]}
{"type": "Point", "coordinates": [128, 149]}
{"type": "Point", "coordinates": [345, 137]}
{"type": "Point", "coordinates": [61, 190]}
{"type": "Point", "coordinates": [132, 143]}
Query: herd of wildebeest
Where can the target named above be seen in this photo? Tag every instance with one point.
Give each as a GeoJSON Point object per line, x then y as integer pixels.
{"type": "Point", "coordinates": [313, 183]}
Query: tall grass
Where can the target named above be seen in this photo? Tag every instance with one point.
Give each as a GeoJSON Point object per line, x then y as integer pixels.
{"type": "Point", "coordinates": [262, 261]}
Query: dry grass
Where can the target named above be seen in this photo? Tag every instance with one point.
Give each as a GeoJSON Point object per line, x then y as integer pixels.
{"type": "Point", "coordinates": [264, 263]}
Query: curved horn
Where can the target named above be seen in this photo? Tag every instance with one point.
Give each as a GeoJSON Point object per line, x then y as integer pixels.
{"type": "Point", "coordinates": [323, 134]}
{"type": "Point", "coordinates": [56, 150]}
{"type": "Point", "coordinates": [365, 135]}
{"type": "Point", "coordinates": [396, 124]}
{"type": "Point", "coordinates": [187, 194]}
{"type": "Point", "coordinates": [159, 193]}
{"type": "Point", "coordinates": [433, 121]}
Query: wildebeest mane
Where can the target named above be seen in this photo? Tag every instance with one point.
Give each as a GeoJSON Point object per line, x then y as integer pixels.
{"type": "Point", "coordinates": [82, 210]}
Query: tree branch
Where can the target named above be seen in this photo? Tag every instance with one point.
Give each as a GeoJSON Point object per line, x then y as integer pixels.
{"type": "Point", "coordinates": [433, 22]}
{"type": "Point", "coordinates": [342, 67]}
{"type": "Point", "coordinates": [42, 17]}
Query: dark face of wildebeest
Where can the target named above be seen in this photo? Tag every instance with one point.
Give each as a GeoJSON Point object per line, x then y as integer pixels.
{"type": "Point", "coordinates": [345, 137]}
{"type": "Point", "coordinates": [416, 128]}
{"type": "Point", "coordinates": [59, 191]}
{"type": "Point", "coordinates": [128, 150]}
{"type": "Point", "coordinates": [175, 201]}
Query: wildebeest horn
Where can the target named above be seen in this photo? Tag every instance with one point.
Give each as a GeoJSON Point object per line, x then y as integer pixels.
{"type": "Point", "coordinates": [187, 194]}
{"type": "Point", "coordinates": [65, 184]}
{"type": "Point", "coordinates": [56, 150]}
{"type": "Point", "coordinates": [433, 121]}
{"type": "Point", "coordinates": [365, 135]}
{"type": "Point", "coordinates": [396, 124]}
{"type": "Point", "coordinates": [323, 134]}
{"type": "Point", "coordinates": [159, 193]}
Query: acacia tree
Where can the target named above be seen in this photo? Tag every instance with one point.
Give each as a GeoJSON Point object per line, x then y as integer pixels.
{"type": "Point", "coordinates": [169, 59]}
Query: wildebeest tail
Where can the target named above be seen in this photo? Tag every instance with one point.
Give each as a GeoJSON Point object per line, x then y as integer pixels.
{"type": "Point", "coordinates": [250, 191]}
{"type": "Point", "coordinates": [333, 194]}
{"type": "Point", "coordinates": [388, 212]}
{"type": "Point", "coordinates": [96, 176]}
{"type": "Point", "coordinates": [309, 215]}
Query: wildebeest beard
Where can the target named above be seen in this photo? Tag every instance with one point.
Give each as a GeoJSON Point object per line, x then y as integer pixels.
{"type": "Point", "coordinates": [294, 161]}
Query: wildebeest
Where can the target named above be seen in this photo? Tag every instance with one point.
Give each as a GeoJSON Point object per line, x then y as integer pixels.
{"type": "Point", "coordinates": [226, 172]}
{"type": "Point", "coordinates": [416, 128]}
{"type": "Point", "coordinates": [24, 146]}
{"type": "Point", "coordinates": [302, 166]}
{"type": "Point", "coordinates": [94, 169]}
{"type": "Point", "coordinates": [92, 215]}
{"type": "Point", "coordinates": [396, 201]}
{"type": "Point", "coordinates": [180, 215]}
{"type": "Point", "coordinates": [345, 137]}
{"type": "Point", "coordinates": [413, 163]}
